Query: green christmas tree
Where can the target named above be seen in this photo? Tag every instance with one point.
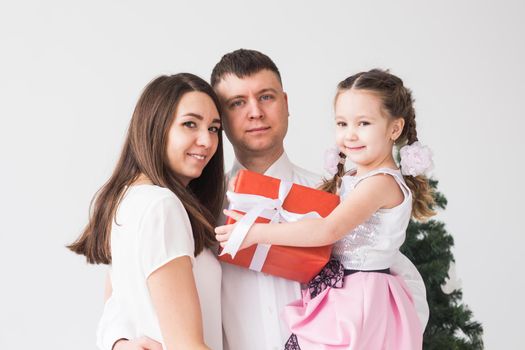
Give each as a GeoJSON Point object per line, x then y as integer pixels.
{"type": "Point", "coordinates": [429, 245]}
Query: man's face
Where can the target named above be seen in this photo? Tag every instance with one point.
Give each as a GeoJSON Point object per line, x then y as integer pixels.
{"type": "Point", "coordinates": [255, 112]}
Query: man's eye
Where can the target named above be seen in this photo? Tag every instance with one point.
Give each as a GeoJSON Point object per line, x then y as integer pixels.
{"type": "Point", "coordinates": [189, 124]}
{"type": "Point", "coordinates": [236, 103]}
{"type": "Point", "coordinates": [266, 97]}
{"type": "Point", "coordinates": [214, 129]}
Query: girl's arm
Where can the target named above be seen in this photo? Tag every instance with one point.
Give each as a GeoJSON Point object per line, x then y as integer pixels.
{"type": "Point", "coordinates": [372, 194]}
{"type": "Point", "coordinates": [176, 302]}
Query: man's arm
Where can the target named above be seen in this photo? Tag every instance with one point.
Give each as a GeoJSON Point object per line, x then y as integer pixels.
{"type": "Point", "coordinates": [404, 268]}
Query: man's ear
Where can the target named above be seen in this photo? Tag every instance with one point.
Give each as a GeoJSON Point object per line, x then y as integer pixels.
{"type": "Point", "coordinates": [397, 128]}
{"type": "Point", "coordinates": [286, 101]}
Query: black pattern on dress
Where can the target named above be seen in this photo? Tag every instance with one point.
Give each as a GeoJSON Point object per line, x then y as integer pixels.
{"type": "Point", "coordinates": [332, 276]}
{"type": "Point", "coordinates": [292, 343]}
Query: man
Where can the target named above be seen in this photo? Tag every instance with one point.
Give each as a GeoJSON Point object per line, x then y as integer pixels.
{"type": "Point", "coordinates": [255, 119]}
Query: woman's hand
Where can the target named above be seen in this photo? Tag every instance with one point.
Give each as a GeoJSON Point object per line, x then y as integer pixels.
{"type": "Point", "coordinates": [223, 233]}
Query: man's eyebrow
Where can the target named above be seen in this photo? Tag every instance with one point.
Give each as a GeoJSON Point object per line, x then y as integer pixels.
{"type": "Point", "coordinates": [267, 90]}
{"type": "Point", "coordinates": [262, 91]}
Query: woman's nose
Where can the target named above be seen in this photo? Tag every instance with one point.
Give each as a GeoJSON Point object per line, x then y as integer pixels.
{"type": "Point", "coordinates": [204, 139]}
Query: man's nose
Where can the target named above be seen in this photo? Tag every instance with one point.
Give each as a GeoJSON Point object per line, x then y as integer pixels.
{"type": "Point", "coordinates": [254, 110]}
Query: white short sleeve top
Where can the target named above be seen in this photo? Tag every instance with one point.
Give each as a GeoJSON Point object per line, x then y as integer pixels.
{"type": "Point", "coordinates": [151, 228]}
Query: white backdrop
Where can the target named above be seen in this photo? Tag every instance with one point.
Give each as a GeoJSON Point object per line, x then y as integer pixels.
{"type": "Point", "coordinates": [71, 72]}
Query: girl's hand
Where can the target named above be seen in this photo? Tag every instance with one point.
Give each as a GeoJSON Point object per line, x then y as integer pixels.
{"type": "Point", "coordinates": [223, 233]}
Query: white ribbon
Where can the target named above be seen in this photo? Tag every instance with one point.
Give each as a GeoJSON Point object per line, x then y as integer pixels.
{"type": "Point", "coordinates": [259, 206]}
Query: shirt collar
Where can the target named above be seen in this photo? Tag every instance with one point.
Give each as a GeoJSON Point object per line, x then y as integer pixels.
{"type": "Point", "coordinates": [282, 168]}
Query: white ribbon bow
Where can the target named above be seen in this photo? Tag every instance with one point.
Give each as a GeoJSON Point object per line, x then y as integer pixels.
{"type": "Point", "coordinates": [259, 206]}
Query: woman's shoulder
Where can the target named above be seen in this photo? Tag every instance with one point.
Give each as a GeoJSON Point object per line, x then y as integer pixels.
{"type": "Point", "coordinates": [152, 197]}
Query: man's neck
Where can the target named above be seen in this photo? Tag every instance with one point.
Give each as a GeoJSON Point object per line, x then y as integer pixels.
{"type": "Point", "coordinates": [259, 163]}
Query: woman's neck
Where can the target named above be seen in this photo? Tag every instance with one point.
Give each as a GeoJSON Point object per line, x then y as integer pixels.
{"type": "Point", "coordinates": [142, 180]}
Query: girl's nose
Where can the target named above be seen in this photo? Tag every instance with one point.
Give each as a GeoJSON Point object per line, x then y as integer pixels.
{"type": "Point", "coordinates": [351, 134]}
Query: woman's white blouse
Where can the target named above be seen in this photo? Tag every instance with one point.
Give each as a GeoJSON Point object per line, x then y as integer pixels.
{"type": "Point", "coordinates": [151, 229]}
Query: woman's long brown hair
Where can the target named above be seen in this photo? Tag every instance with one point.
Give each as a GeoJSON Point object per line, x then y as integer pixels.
{"type": "Point", "coordinates": [144, 152]}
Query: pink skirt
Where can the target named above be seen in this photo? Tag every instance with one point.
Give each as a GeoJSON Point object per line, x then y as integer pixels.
{"type": "Point", "coordinates": [371, 311]}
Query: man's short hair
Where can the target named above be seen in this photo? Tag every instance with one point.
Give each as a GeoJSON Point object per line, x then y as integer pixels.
{"type": "Point", "coordinates": [242, 63]}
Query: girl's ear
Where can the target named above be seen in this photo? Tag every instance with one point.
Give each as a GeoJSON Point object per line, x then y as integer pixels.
{"type": "Point", "coordinates": [397, 128]}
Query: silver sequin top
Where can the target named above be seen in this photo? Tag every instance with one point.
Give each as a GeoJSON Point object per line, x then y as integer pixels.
{"type": "Point", "coordinates": [373, 244]}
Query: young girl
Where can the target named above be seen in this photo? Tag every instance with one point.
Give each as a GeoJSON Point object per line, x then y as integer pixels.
{"type": "Point", "coordinates": [153, 219]}
{"type": "Point", "coordinates": [355, 303]}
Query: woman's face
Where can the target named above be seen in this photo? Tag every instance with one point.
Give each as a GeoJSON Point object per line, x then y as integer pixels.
{"type": "Point", "coordinates": [193, 136]}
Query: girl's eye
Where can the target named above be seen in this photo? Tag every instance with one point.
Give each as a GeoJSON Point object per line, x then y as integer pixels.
{"type": "Point", "coordinates": [214, 129]}
{"type": "Point", "coordinates": [363, 123]}
{"type": "Point", "coordinates": [190, 124]}
{"type": "Point", "coordinates": [341, 124]}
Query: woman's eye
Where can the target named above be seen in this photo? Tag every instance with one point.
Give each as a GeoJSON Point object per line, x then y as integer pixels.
{"type": "Point", "coordinates": [189, 124]}
{"type": "Point", "coordinates": [214, 129]}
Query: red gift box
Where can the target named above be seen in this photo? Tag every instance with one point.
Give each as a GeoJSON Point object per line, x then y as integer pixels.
{"type": "Point", "coordinates": [294, 263]}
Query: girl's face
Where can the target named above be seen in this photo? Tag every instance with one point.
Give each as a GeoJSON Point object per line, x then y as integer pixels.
{"type": "Point", "coordinates": [364, 131]}
{"type": "Point", "coordinates": [193, 136]}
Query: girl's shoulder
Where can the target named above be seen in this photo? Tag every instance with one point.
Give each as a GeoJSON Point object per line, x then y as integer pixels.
{"type": "Point", "coordinates": [383, 182]}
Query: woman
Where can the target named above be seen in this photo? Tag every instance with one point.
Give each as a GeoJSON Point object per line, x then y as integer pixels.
{"type": "Point", "coordinates": [153, 220]}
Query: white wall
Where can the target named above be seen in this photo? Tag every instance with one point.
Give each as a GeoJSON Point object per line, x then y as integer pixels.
{"type": "Point", "coordinates": [70, 74]}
